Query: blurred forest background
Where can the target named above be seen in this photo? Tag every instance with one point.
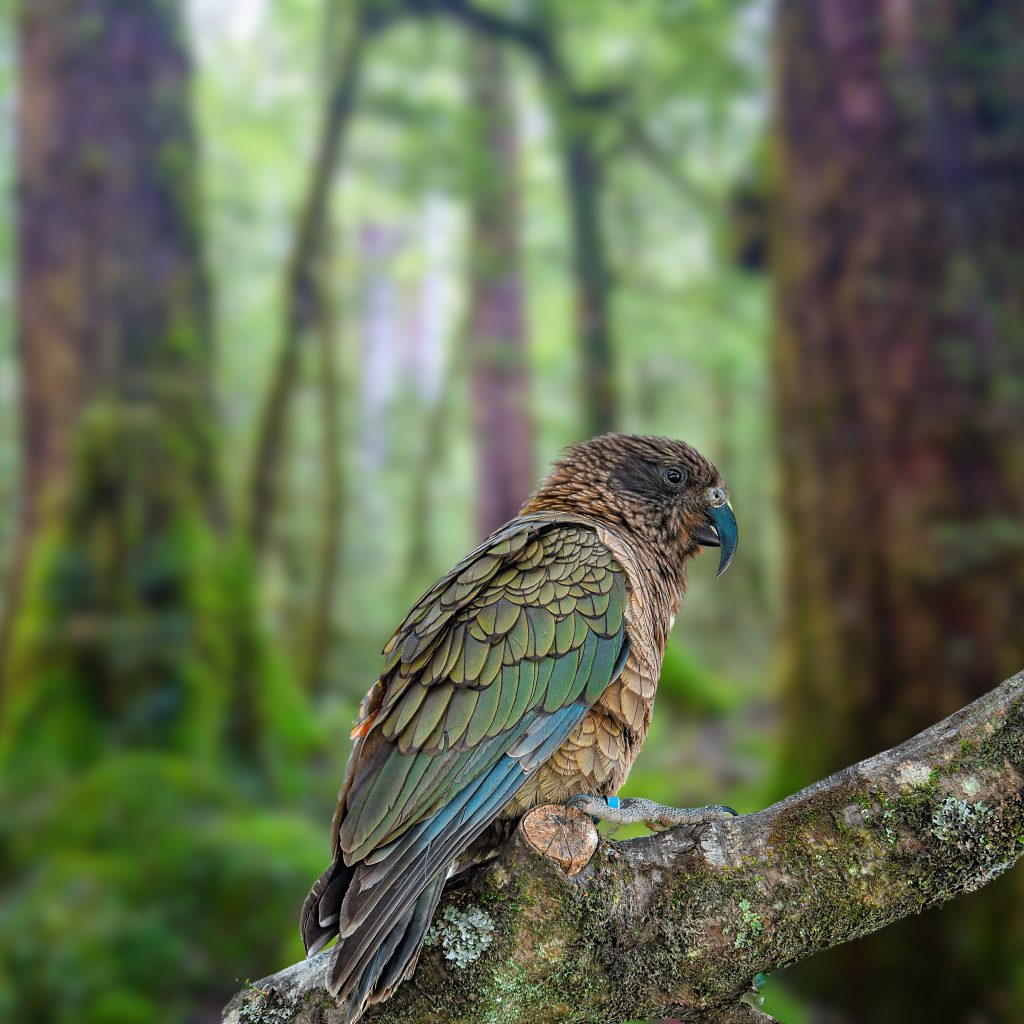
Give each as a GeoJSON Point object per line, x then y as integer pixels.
{"type": "Point", "coordinates": [298, 298]}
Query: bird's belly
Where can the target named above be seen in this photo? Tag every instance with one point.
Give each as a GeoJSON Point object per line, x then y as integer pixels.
{"type": "Point", "coordinates": [597, 755]}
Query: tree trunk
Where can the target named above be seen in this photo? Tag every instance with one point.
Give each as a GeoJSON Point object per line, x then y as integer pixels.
{"type": "Point", "coordinates": [134, 627]}
{"type": "Point", "coordinates": [499, 362]}
{"type": "Point", "coordinates": [301, 289]}
{"type": "Point", "coordinates": [583, 176]}
{"type": "Point", "coordinates": [91, 280]}
{"type": "Point", "coordinates": [900, 356]}
{"type": "Point", "coordinates": [574, 114]}
{"type": "Point", "coordinates": [317, 648]}
{"type": "Point", "coordinates": [111, 289]}
{"type": "Point", "coordinates": [420, 567]}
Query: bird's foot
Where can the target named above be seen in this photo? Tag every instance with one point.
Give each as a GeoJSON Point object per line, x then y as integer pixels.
{"type": "Point", "coordinates": [657, 817]}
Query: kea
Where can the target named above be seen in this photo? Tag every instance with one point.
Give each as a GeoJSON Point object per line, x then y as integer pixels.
{"type": "Point", "coordinates": [524, 676]}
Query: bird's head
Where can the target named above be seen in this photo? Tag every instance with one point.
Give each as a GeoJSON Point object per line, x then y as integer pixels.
{"type": "Point", "coordinates": [663, 492]}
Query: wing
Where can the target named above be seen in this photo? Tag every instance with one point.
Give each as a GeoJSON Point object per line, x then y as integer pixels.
{"type": "Point", "coordinates": [528, 625]}
{"type": "Point", "coordinates": [488, 674]}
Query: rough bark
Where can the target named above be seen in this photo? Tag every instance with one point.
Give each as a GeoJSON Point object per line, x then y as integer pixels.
{"type": "Point", "coordinates": [499, 363]}
{"type": "Point", "coordinates": [682, 923]}
{"type": "Point", "coordinates": [900, 359]}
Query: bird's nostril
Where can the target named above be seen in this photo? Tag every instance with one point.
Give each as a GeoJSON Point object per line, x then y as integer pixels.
{"type": "Point", "coordinates": [716, 496]}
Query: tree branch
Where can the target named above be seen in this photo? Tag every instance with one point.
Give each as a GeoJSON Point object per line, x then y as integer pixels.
{"type": "Point", "coordinates": [679, 924]}
{"type": "Point", "coordinates": [662, 162]}
{"type": "Point", "coordinates": [532, 37]}
{"type": "Point", "coordinates": [528, 36]}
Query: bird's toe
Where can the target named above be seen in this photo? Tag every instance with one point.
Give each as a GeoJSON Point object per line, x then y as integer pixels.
{"type": "Point", "coordinates": [592, 805]}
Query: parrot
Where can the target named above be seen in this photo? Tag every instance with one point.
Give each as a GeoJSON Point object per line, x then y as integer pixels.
{"type": "Point", "coordinates": [525, 676]}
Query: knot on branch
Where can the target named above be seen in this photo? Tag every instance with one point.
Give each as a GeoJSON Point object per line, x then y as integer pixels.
{"type": "Point", "coordinates": [563, 834]}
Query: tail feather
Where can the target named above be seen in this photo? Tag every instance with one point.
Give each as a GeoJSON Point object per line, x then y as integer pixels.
{"type": "Point", "coordinates": [434, 843]}
{"type": "Point", "coordinates": [368, 971]}
{"type": "Point", "coordinates": [319, 919]}
{"type": "Point", "coordinates": [381, 911]}
{"type": "Point", "coordinates": [396, 958]}
{"type": "Point", "coordinates": [395, 895]}
{"type": "Point", "coordinates": [403, 962]}
{"type": "Point", "coordinates": [330, 902]}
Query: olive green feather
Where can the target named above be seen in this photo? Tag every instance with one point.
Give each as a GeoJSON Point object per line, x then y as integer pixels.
{"type": "Point", "coordinates": [486, 706]}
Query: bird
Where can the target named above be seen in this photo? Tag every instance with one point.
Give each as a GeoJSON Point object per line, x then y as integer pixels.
{"type": "Point", "coordinates": [524, 676]}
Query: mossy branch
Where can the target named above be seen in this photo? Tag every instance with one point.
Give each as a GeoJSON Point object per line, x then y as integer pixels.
{"type": "Point", "coordinates": [681, 924]}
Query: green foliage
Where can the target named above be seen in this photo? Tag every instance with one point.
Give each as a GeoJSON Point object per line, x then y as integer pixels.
{"type": "Point", "coordinates": [139, 628]}
{"type": "Point", "coordinates": [697, 691]}
{"type": "Point", "coordinates": [146, 712]}
{"type": "Point", "coordinates": [146, 884]}
{"type": "Point", "coordinates": [118, 640]}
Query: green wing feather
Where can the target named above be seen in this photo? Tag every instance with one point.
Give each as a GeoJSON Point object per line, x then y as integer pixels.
{"type": "Point", "coordinates": [528, 624]}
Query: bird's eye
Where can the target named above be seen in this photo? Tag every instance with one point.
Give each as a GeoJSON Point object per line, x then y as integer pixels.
{"type": "Point", "coordinates": [674, 476]}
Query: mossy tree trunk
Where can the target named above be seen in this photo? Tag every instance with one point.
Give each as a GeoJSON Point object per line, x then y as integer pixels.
{"type": "Point", "coordinates": [900, 356]}
{"type": "Point", "coordinates": [499, 363]}
{"type": "Point", "coordinates": [328, 552]}
{"type": "Point", "coordinates": [81, 332]}
{"type": "Point", "coordinates": [112, 292]}
{"type": "Point", "coordinates": [135, 626]}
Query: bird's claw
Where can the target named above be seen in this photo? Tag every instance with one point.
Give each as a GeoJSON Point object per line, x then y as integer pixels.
{"type": "Point", "coordinates": [657, 817]}
{"type": "Point", "coordinates": [596, 806]}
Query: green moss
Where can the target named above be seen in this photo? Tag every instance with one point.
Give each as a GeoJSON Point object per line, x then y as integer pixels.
{"type": "Point", "coordinates": [750, 924]}
{"type": "Point", "coordinates": [114, 644]}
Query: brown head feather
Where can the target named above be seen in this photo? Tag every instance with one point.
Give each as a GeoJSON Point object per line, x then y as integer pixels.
{"type": "Point", "coordinates": [631, 483]}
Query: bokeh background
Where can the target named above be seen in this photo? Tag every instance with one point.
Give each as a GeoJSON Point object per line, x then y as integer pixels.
{"type": "Point", "coordinates": [299, 297]}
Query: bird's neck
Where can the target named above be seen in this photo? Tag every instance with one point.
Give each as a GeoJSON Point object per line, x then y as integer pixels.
{"type": "Point", "coordinates": [666, 578]}
{"type": "Point", "coordinates": [659, 580]}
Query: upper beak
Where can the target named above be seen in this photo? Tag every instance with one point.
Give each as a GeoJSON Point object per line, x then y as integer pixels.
{"type": "Point", "coordinates": [721, 532]}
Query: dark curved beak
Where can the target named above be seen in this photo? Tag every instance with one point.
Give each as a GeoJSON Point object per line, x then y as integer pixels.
{"type": "Point", "coordinates": [720, 532]}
